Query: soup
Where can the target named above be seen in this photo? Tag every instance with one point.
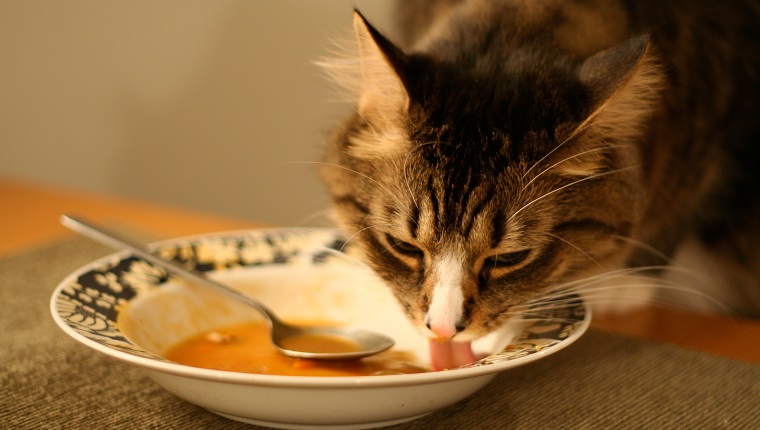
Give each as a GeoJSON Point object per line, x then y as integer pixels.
{"type": "Point", "coordinates": [247, 348]}
{"type": "Point", "coordinates": [319, 343]}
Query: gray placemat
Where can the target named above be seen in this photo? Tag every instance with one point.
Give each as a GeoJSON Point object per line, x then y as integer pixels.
{"type": "Point", "coordinates": [48, 380]}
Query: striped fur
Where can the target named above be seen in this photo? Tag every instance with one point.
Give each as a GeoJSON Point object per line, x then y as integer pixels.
{"type": "Point", "coordinates": [508, 150]}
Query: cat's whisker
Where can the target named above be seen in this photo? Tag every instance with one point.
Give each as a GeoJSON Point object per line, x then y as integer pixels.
{"type": "Point", "coordinates": [662, 286]}
{"type": "Point", "coordinates": [630, 290]}
{"type": "Point", "coordinates": [432, 142]}
{"type": "Point", "coordinates": [340, 254]}
{"type": "Point", "coordinates": [572, 135]}
{"type": "Point", "coordinates": [601, 277]}
{"type": "Point", "coordinates": [601, 291]}
{"type": "Point", "coordinates": [549, 302]}
{"type": "Point", "coordinates": [543, 311]}
{"type": "Point", "coordinates": [358, 173]}
{"type": "Point", "coordinates": [624, 274]}
{"type": "Point", "coordinates": [406, 180]}
{"type": "Point", "coordinates": [635, 291]}
{"type": "Point", "coordinates": [650, 249]}
{"type": "Point", "coordinates": [587, 178]}
{"type": "Point", "coordinates": [547, 307]}
{"type": "Point", "coordinates": [701, 277]}
{"type": "Point", "coordinates": [673, 265]}
{"type": "Point", "coordinates": [364, 221]}
{"type": "Point", "coordinates": [602, 300]}
{"type": "Point", "coordinates": [573, 295]}
{"type": "Point", "coordinates": [393, 196]}
{"type": "Point", "coordinates": [567, 159]}
{"type": "Point", "coordinates": [379, 185]}
{"type": "Point", "coordinates": [537, 317]}
{"type": "Point", "coordinates": [337, 166]}
{"type": "Point", "coordinates": [530, 315]}
{"type": "Point", "coordinates": [366, 218]}
{"type": "Point", "coordinates": [592, 259]}
{"type": "Point", "coordinates": [356, 109]}
{"type": "Point", "coordinates": [357, 233]}
{"type": "Point", "coordinates": [658, 270]}
{"type": "Point", "coordinates": [580, 286]}
{"type": "Point", "coordinates": [323, 214]}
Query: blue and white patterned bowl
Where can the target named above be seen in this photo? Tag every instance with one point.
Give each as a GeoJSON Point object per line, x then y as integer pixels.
{"type": "Point", "coordinates": [128, 309]}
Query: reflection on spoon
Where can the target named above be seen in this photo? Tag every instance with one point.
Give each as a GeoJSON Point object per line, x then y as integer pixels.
{"type": "Point", "coordinates": [319, 343]}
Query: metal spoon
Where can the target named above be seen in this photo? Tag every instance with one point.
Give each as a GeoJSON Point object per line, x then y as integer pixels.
{"type": "Point", "coordinates": [362, 343]}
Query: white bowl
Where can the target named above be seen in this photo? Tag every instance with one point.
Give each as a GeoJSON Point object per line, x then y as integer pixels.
{"type": "Point", "coordinates": [126, 308]}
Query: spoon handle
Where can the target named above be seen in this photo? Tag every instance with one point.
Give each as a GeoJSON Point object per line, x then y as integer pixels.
{"type": "Point", "coordinates": [109, 238]}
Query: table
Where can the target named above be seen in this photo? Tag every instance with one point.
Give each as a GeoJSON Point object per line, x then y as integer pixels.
{"type": "Point", "coordinates": [29, 215]}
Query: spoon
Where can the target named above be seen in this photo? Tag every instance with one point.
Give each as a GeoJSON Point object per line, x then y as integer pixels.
{"type": "Point", "coordinates": [294, 341]}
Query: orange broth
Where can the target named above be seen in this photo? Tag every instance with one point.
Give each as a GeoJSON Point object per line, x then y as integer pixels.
{"type": "Point", "coordinates": [247, 348]}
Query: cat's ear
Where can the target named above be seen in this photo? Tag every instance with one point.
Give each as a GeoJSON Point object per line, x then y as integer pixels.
{"type": "Point", "coordinates": [613, 70]}
{"type": "Point", "coordinates": [383, 95]}
{"type": "Point", "coordinates": [625, 82]}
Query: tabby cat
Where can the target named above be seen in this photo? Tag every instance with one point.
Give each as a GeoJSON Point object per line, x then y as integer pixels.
{"type": "Point", "coordinates": [506, 153]}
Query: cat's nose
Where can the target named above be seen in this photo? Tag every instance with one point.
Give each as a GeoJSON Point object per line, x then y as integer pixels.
{"type": "Point", "coordinates": [445, 331]}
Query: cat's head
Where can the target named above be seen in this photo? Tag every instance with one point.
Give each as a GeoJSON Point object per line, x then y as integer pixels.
{"type": "Point", "coordinates": [474, 187]}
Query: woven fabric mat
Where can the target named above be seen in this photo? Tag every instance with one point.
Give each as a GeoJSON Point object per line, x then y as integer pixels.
{"type": "Point", "coordinates": [48, 380]}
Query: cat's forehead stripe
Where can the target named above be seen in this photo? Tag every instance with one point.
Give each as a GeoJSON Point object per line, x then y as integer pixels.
{"type": "Point", "coordinates": [434, 204]}
{"type": "Point", "coordinates": [425, 222]}
{"type": "Point", "coordinates": [414, 220]}
{"type": "Point", "coordinates": [498, 228]}
{"type": "Point", "coordinates": [476, 208]}
{"type": "Point", "coordinates": [473, 213]}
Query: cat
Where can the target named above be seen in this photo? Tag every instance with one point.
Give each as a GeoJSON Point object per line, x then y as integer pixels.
{"type": "Point", "coordinates": [504, 154]}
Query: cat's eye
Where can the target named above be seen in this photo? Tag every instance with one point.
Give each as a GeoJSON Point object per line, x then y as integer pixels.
{"type": "Point", "coordinates": [405, 248]}
{"type": "Point", "coordinates": [508, 259]}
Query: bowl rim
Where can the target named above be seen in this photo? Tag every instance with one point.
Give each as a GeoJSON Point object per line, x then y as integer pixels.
{"type": "Point", "coordinates": [290, 381]}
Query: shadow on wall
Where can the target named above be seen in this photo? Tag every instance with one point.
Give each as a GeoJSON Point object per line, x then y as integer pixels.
{"type": "Point", "coordinates": [240, 137]}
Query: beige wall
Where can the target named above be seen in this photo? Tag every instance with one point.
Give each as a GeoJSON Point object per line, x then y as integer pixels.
{"type": "Point", "coordinates": [214, 105]}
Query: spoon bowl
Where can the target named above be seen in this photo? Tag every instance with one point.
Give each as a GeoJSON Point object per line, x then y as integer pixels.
{"type": "Point", "coordinates": [317, 343]}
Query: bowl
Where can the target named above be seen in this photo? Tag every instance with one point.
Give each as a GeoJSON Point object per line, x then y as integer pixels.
{"type": "Point", "coordinates": [128, 309]}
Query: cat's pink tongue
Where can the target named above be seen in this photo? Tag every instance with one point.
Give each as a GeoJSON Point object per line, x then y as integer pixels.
{"type": "Point", "coordinates": [445, 354]}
